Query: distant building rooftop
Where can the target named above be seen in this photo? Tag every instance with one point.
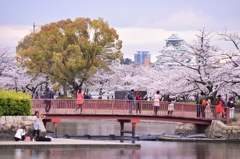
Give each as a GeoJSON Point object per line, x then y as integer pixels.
{"type": "Point", "coordinates": [174, 37]}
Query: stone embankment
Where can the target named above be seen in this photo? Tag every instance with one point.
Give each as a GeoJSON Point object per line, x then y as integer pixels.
{"type": "Point", "coordinates": [220, 130]}
{"type": "Point", "coordinates": [216, 131]}
{"type": "Point", "coordinates": [10, 124]}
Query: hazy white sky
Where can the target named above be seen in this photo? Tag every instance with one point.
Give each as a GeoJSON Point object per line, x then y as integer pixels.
{"type": "Point", "coordinates": [141, 24]}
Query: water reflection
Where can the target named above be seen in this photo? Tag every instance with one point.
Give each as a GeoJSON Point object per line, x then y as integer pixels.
{"type": "Point", "coordinates": [107, 127]}
{"type": "Point", "coordinates": [149, 149]}
{"type": "Point", "coordinates": [73, 153]}
{"type": "Point", "coordinates": [190, 150]}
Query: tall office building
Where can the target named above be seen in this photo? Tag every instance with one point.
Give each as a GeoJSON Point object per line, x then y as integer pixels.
{"type": "Point", "coordinates": [142, 57]}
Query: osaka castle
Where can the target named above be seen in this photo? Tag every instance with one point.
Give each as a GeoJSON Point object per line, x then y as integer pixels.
{"type": "Point", "coordinates": [174, 54]}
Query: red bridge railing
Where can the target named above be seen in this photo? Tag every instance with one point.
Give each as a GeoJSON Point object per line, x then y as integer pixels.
{"type": "Point", "coordinates": [122, 107]}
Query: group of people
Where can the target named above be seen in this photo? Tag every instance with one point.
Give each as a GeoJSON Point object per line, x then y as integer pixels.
{"type": "Point", "coordinates": [22, 131]}
{"type": "Point", "coordinates": [134, 100]}
{"type": "Point", "coordinates": [221, 107]}
{"type": "Point", "coordinates": [156, 103]}
{"type": "Point", "coordinates": [202, 103]}
{"type": "Point", "coordinates": [218, 111]}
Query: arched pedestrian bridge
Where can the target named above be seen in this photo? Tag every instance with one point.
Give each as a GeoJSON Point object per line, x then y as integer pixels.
{"type": "Point", "coordinates": [120, 109]}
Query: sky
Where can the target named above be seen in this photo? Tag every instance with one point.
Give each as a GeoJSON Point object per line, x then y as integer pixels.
{"type": "Point", "coordinates": [142, 25]}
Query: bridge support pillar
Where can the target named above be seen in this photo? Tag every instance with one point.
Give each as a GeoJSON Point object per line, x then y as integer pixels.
{"type": "Point", "coordinates": [55, 121]}
{"type": "Point", "coordinates": [134, 124]}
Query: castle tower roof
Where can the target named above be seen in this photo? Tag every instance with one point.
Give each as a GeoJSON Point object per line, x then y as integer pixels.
{"type": "Point", "coordinates": [174, 37]}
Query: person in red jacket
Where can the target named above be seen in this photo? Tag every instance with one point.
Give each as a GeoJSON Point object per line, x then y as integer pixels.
{"type": "Point", "coordinates": [219, 107]}
{"type": "Point", "coordinates": [80, 100]}
{"type": "Point", "coordinates": [138, 98]}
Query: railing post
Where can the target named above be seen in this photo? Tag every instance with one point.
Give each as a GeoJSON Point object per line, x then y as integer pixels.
{"type": "Point", "coordinates": [95, 107]}
{"type": "Point", "coordinates": [125, 107]}
{"type": "Point", "coordinates": [182, 109]}
{"type": "Point", "coordinates": [53, 106]}
{"type": "Point", "coordinates": [140, 109]}
{"type": "Point", "coordinates": [112, 102]}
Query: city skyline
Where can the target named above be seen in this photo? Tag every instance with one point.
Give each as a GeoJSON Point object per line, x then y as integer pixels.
{"type": "Point", "coordinates": [142, 58]}
{"type": "Point", "coordinates": [142, 25]}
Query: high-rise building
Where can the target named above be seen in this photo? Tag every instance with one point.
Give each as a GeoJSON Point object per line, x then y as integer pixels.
{"type": "Point", "coordinates": [142, 57]}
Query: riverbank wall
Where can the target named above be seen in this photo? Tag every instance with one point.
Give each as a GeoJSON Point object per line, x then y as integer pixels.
{"type": "Point", "coordinates": [217, 130]}
{"type": "Point", "coordinates": [10, 124]}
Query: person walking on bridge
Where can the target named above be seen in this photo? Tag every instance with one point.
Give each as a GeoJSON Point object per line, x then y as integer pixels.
{"type": "Point", "coordinates": [80, 100]}
{"type": "Point", "coordinates": [48, 98]}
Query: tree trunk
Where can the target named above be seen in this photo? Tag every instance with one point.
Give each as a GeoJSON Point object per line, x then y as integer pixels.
{"type": "Point", "coordinates": [64, 89]}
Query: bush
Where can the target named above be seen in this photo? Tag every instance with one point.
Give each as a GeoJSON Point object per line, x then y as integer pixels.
{"type": "Point", "coordinates": [64, 97]}
{"type": "Point", "coordinates": [15, 103]}
{"type": "Point", "coordinates": [237, 104]}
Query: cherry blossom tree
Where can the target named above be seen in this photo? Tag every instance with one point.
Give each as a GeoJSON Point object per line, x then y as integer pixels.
{"type": "Point", "coordinates": [206, 74]}
{"type": "Point", "coordinates": [5, 59]}
{"type": "Point", "coordinates": [216, 71]}
{"type": "Point", "coordinates": [232, 66]}
{"type": "Point", "coordinates": [17, 78]}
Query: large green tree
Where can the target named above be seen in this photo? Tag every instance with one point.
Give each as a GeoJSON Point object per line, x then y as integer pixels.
{"type": "Point", "coordinates": [69, 52]}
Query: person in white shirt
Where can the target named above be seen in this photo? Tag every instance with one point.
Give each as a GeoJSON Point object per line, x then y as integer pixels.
{"type": "Point", "coordinates": [36, 123]}
{"type": "Point", "coordinates": [156, 102]}
{"type": "Point", "coordinates": [20, 134]}
{"type": "Point", "coordinates": [170, 107]}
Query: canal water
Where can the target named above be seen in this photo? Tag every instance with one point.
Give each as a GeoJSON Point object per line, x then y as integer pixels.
{"type": "Point", "coordinates": [148, 150]}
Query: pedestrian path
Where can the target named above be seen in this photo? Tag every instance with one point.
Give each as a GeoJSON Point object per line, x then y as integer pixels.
{"type": "Point", "coordinates": [69, 143]}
